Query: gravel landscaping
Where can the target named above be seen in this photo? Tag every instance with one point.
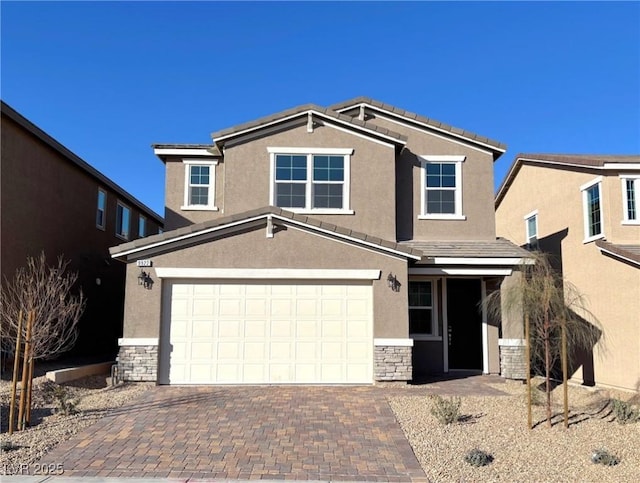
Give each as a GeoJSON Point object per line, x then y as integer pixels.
{"type": "Point", "coordinates": [498, 426]}
{"type": "Point", "coordinates": [494, 424]}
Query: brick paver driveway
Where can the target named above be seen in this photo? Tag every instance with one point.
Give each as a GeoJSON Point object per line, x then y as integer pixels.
{"type": "Point", "coordinates": [305, 433]}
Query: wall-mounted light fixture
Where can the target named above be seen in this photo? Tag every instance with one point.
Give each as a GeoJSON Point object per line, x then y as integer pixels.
{"type": "Point", "coordinates": [392, 282]}
{"type": "Point", "coordinates": [145, 280]}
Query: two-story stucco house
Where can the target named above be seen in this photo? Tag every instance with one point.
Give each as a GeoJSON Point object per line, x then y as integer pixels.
{"type": "Point", "coordinates": [584, 210]}
{"type": "Point", "coordinates": [54, 201]}
{"type": "Point", "coordinates": [347, 244]}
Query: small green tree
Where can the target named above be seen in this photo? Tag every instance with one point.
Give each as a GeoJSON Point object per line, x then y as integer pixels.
{"type": "Point", "coordinates": [560, 322]}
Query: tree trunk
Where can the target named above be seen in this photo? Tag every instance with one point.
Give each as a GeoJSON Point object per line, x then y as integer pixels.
{"type": "Point", "coordinates": [25, 370]}
{"type": "Point", "coordinates": [29, 390]}
{"type": "Point", "coordinates": [14, 381]}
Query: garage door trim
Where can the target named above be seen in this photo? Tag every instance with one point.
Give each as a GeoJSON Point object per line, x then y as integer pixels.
{"type": "Point", "coordinates": [266, 273]}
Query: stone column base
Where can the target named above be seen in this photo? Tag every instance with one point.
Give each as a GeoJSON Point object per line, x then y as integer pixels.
{"type": "Point", "coordinates": [392, 362]}
{"type": "Point", "coordinates": [512, 359]}
{"type": "Point", "coordinates": [137, 362]}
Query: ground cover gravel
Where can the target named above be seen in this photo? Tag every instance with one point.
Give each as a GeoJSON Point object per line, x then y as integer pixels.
{"type": "Point", "coordinates": [498, 425]}
{"type": "Point", "coordinates": [95, 395]}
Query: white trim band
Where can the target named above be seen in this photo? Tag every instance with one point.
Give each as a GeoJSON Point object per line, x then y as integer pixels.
{"type": "Point", "coordinates": [136, 341]}
{"type": "Point", "coordinates": [393, 342]}
{"type": "Point", "coordinates": [481, 261]}
{"type": "Point", "coordinates": [461, 271]}
{"type": "Point", "coordinates": [512, 342]}
{"type": "Point", "coordinates": [297, 150]}
{"type": "Point", "coordinates": [267, 273]}
{"type": "Point", "coordinates": [183, 152]}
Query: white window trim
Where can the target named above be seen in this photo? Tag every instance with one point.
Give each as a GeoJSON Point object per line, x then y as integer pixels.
{"type": "Point", "coordinates": [435, 336]}
{"type": "Point", "coordinates": [625, 214]}
{"type": "Point", "coordinates": [309, 152]}
{"type": "Point", "coordinates": [142, 218]}
{"type": "Point", "coordinates": [585, 215]}
{"type": "Point", "coordinates": [104, 210]}
{"type": "Point", "coordinates": [125, 207]}
{"type": "Point", "coordinates": [527, 217]}
{"type": "Point", "coordinates": [212, 184]}
{"type": "Point", "coordinates": [458, 160]}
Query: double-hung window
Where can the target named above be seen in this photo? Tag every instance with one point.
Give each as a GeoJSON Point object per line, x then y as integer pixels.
{"type": "Point", "coordinates": [441, 186]}
{"type": "Point", "coordinates": [422, 310]}
{"type": "Point", "coordinates": [592, 208]}
{"type": "Point", "coordinates": [101, 209]}
{"type": "Point", "coordinates": [199, 184]}
{"type": "Point", "coordinates": [631, 199]}
{"type": "Point", "coordinates": [531, 226]}
{"type": "Point", "coordinates": [310, 179]}
{"type": "Point", "coordinates": [123, 221]}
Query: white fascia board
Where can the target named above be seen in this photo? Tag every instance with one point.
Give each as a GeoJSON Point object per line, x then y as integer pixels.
{"type": "Point", "coordinates": [353, 133]}
{"type": "Point", "coordinates": [318, 114]}
{"type": "Point", "coordinates": [182, 152]}
{"type": "Point", "coordinates": [136, 341]}
{"type": "Point", "coordinates": [480, 261]}
{"type": "Point", "coordinates": [393, 342]}
{"type": "Point", "coordinates": [619, 166]}
{"type": "Point", "coordinates": [503, 272]}
{"type": "Point", "coordinates": [267, 273]}
{"type": "Point", "coordinates": [411, 121]}
{"type": "Point", "coordinates": [356, 241]}
{"type": "Point", "coordinates": [616, 255]}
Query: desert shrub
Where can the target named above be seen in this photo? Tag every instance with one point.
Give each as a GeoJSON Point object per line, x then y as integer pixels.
{"type": "Point", "coordinates": [61, 396]}
{"type": "Point", "coordinates": [625, 412]}
{"type": "Point", "coordinates": [446, 411]}
{"type": "Point", "coordinates": [603, 457]}
{"type": "Point", "coordinates": [477, 457]}
{"type": "Point", "coordinates": [8, 446]}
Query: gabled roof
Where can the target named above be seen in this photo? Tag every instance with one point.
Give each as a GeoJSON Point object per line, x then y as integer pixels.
{"type": "Point", "coordinates": [567, 161]}
{"type": "Point", "coordinates": [369, 129]}
{"type": "Point", "coordinates": [629, 253]}
{"type": "Point", "coordinates": [239, 221]}
{"type": "Point", "coordinates": [34, 130]}
{"type": "Point", "coordinates": [499, 248]}
{"type": "Point", "coordinates": [414, 118]}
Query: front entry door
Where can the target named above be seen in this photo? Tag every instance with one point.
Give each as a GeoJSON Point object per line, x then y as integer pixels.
{"type": "Point", "coordinates": [464, 317]}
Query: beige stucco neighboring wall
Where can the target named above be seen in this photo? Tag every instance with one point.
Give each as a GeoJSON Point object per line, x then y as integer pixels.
{"type": "Point", "coordinates": [290, 248]}
{"type": "Point", "coordinates": [611, 287]}
{"type": "Point", "coordinates": [477, 187]}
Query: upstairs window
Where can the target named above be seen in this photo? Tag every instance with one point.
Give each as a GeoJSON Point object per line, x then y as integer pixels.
{"type": "Point", "coordinates": [310, 179]}
{"type": "Point", "coordinates": [199, 189]}
{"type": "Point", "coordinates": [592, 206]}
{"type": "Point", "coordinates": [630, 199]}
{"type": "Point", "coordinates": [123, 221]}
{"type": "Point", "coordinates": [101, 210]}
{"type": "Point", "coordinates": [422, 310]}
{"type": "Point", "coordinates": [531, 226]}
{"type": "Point", "coordinates": [142, 226]}
{"type": "Point", "coordinates": [441, 186]}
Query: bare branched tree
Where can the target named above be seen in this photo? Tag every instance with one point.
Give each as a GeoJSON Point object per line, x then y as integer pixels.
{"type": "Point", "coordinates": [47, 291]}
{"type": "Point", "coordinates": [553, 305]}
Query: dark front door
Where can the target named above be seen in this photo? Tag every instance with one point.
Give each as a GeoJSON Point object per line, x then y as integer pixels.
{"type": "Point", "coordinates": [464, 323]}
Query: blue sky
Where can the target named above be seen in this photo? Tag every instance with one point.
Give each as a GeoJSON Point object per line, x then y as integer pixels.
{"type": "Point", "coordinates": [107, 79]}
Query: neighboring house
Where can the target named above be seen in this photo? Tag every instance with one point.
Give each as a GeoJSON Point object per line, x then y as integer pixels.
{"type": "Point", "coordinates": [53, 201]}
{"type": "Point", "coordinates": [585, 211]}
{"type": "Point", "coordinates": [319, 245]}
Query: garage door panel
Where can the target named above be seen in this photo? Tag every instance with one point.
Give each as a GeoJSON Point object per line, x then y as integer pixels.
{"type": "Point", "coordinates": [279, 332]}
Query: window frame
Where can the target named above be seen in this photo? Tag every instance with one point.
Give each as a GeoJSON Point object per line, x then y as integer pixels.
{"type": "Point", "coordinates": [103, 209]}
{"type": "Point", "coordinates": [441, 159]}
{"type": "Point", "coordinates": [585, 188]}
{"type": "Point", "coordinates": [435, 334]}
{"type": "Point", "coordinates": [635, 178]}
{"type": "Point", "coordinates": [119, 221]}
{"type": "Point", "coordinates": [188, 164]}
{"type": "Point", "coordinates": [142, 223]}
{"type": "Point", "coordinates": [346, 153]}
{"type": "Point", "coordinates": [529, 236]}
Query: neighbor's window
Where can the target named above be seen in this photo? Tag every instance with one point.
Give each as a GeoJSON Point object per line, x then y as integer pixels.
{"type": "Point", "coordinates": [531, 224]}
{"type": "Point", "coordinates": [592, 206]}
{"type": "Point", "coordinates": [101, 209]}
{"type": "Point", "coordinates": [441, 187]}
{"type": "Point", "coordinates": [421, 309]}
{"type": "Point", "coordinates": [142, 226]}
{"type": "Point", "coordinates": [123, 221]}
{"type": "Point", "coordinates": [199, 190]}
{"type": "Point", "coordinates": [310, 179]}
{"type": "Point", "coordinates": [630, 199]}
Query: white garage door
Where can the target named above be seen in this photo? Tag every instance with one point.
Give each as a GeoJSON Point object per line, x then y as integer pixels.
{"type": "Point", "coordinates": [269, 332]}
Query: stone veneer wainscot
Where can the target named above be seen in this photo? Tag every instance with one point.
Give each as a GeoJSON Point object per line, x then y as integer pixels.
{"type": "Point", "coordinates": [138, 360]}
{"type": "Point", "coordinates": [392, 360]}
{"type": "Point", "coordinates": [512, 359]}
